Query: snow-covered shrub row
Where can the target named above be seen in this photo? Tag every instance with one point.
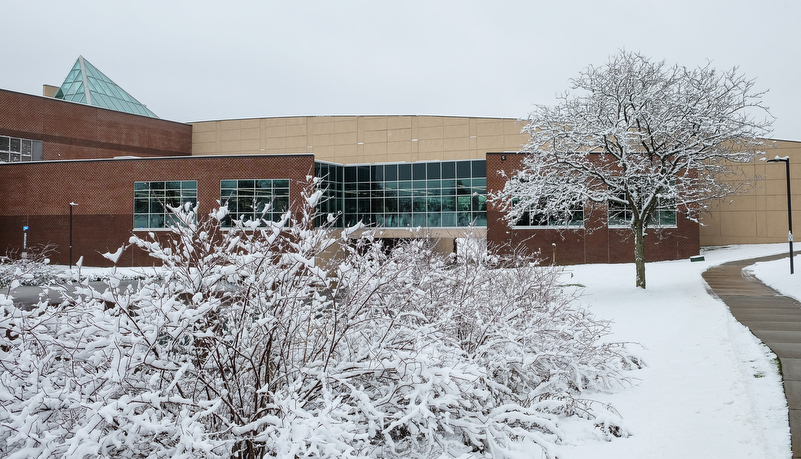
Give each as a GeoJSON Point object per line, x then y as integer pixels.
{"type": "Point", "coordinates": [34, 269]}
{"type": "Point", "coordinates": [247, 344]}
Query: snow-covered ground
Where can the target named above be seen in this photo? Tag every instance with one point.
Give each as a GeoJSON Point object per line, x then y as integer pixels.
{"type": "Point", "coordinates": [710, 388]}
{"type": "Point", "coordinates": [777, 275]}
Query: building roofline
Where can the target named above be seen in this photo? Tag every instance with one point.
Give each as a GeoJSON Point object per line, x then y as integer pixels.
{"type": "Point", "coordinates": [499, 118]}
{"type": "Point", "coordinates": [154, 158]}
{"type": "Point", "coordinates": [92, 106]}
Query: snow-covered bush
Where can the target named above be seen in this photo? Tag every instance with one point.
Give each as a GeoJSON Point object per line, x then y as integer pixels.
{"type": "Point", "coordinates": [248, 343]}
{"type": "Point", "coordinates": [34, 269]}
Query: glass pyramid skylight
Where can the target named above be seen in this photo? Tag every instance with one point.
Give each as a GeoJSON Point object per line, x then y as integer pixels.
{"type": "Point", "coordinates": [88, 85]}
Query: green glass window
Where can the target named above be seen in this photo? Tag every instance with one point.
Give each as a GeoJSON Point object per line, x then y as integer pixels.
{"type": "Point", "coordinates": [153, 201]}
{"type": "Point", "coordinates": [259, 200]}
{"type": "Point", "coordinates": [537, 220]}
{"type": "Point", "coordinates": [443, 194]}
{"type": "Point", "coordinates": [332, 177]}
{"type": "Point", "coordinates": [620, 215]}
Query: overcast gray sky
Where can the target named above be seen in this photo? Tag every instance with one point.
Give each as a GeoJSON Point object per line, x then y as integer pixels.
{"type": "Point", "coordinates": [196, 60]}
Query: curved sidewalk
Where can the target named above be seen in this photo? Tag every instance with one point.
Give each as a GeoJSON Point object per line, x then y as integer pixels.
{"type": "Point", "coordinates": [773, 318]}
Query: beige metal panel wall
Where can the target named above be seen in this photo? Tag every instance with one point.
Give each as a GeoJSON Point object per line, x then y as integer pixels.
{"type": "Point", "coordinates": [757, 217]}
{"type": "Point", "coordinates": [361, 139]}
{"type": "Point", "coordinates": [760, 216]}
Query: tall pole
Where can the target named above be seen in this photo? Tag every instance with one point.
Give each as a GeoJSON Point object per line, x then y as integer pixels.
{"type": "Point", "coordinates": [786, 161]}
{"type": "Point", "coordinates": [72, 204]}
{"type": "Point", "coordinates": [789, 213]}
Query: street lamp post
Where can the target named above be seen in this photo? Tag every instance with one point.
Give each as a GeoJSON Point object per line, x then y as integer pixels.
{"type": "Point", "coordinates": [72, 204]}
{"type": "Point", "coordinates": [786, 161]}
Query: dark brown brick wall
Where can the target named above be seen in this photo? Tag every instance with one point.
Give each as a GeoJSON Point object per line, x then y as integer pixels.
{"type": "Point", "coordinates": [596, 243]}
{"type": "Point", "coordinates": [71, 130]}
{"type": "Point", "coordinates": [38, 194]}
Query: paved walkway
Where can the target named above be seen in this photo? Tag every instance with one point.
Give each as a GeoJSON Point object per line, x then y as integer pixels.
{"type": "Point", "coordinates": [773, 318]}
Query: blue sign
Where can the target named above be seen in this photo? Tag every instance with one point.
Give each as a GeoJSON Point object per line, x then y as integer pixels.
{"type": "Point", "coordinates": [25, 228]}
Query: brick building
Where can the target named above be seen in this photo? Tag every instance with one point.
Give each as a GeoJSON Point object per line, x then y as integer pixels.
{"type": "Point", "coordinates": [595, 240]}
{"type": "Point", "coordinates": [90, 143]}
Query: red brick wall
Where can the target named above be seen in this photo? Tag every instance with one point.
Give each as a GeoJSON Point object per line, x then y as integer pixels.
{"type": "Point", "coordinates": [38, 194]}
{"type": "Point", "coordinates": [596, 243]}
{"type": "Point", "coordinates": [71, 130]}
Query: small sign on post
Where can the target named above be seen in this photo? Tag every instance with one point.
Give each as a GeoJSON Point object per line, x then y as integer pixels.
{"type": "Point", "coordinates": [25, 242]}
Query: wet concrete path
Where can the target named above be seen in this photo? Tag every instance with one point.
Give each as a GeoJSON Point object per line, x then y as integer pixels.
{"type": "Point", "coordinates": [771, 317]}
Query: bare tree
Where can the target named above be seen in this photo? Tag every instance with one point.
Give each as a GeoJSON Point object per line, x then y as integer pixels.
{"type": "Point", "coordinates": [641, 139]}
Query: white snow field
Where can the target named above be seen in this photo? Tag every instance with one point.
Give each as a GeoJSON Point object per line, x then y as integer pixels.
{"type": "Point", "coordinates": [710, 388]}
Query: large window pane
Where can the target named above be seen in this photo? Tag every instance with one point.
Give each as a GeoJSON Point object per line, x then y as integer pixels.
{"type": "Point", "coordinates": [153, 199]}
{"type": "Point", "coordinates": [404, 171]}
{"type": "Point", "coordinates": [419, 204]}
{"type": "Point", "coordinates": [156, 221]}
{"type": "Point", "coordinates": [364, 173]}
{"type": "Point", "coordinates": [351, 206]}
{"type": "Point", "coordinates": [14, 149]}
{"type": "Point", "coordinates": [364, 206]}
{"type": "Point", "coordinates": [448, 219]}
{"type": "Point", "coordinates": [463, 203]}
{"type": "Point", "coordinates": [388, 193]}
{"type": "Point", "coordinates": [463, 169]}
{"type": "Point", "coordinates": [255, 199]}
{"type": "Point", "coordinates": [281, 203]}
{"type": "Point", "coordinates": [418, 171]}
{"type": "Point", "coordinates": [434, 204]}
{"type": "Point", "coordinates": [433, 171]}
{"type": "Point", "coordinates": [449, 170]}
{"type": "Point", "coordinates": [404, 204]}
{"type": "Point", "coordinates": [479, 169]}
{"type": "Point", "coordinates": [391, 172]}
{"type": "Point", "coordinates": [350, 174]}
{"type": "Point", "coordinates": [141, 206]}
{"type": "Point", "coordinates": [449, 204]}
{"type": "Point", "coordinates": [533, 219]}
{"type": "Point", "coordinates": [377, 173]}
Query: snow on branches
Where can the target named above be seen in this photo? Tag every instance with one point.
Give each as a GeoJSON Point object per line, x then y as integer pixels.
{"type": "Point", "coordinates": [638, 134]}
{"type": "Point", "coordinates": [249, 343]}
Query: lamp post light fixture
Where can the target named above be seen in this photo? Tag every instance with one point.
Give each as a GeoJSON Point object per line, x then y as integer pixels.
{"type": "Point", "coordinates": [72, 204]}
{"type": "Point", "coordinates": [786, 161]}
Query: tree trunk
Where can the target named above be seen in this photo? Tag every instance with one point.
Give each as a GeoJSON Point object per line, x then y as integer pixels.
{"type": "Point", "coordinates": [639, 254]}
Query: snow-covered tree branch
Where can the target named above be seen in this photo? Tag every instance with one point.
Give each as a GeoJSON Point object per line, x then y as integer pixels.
{"type": "Point", "coordinates": [639, 135]}
{"type": "Point", "coordinates": [248, 343]}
